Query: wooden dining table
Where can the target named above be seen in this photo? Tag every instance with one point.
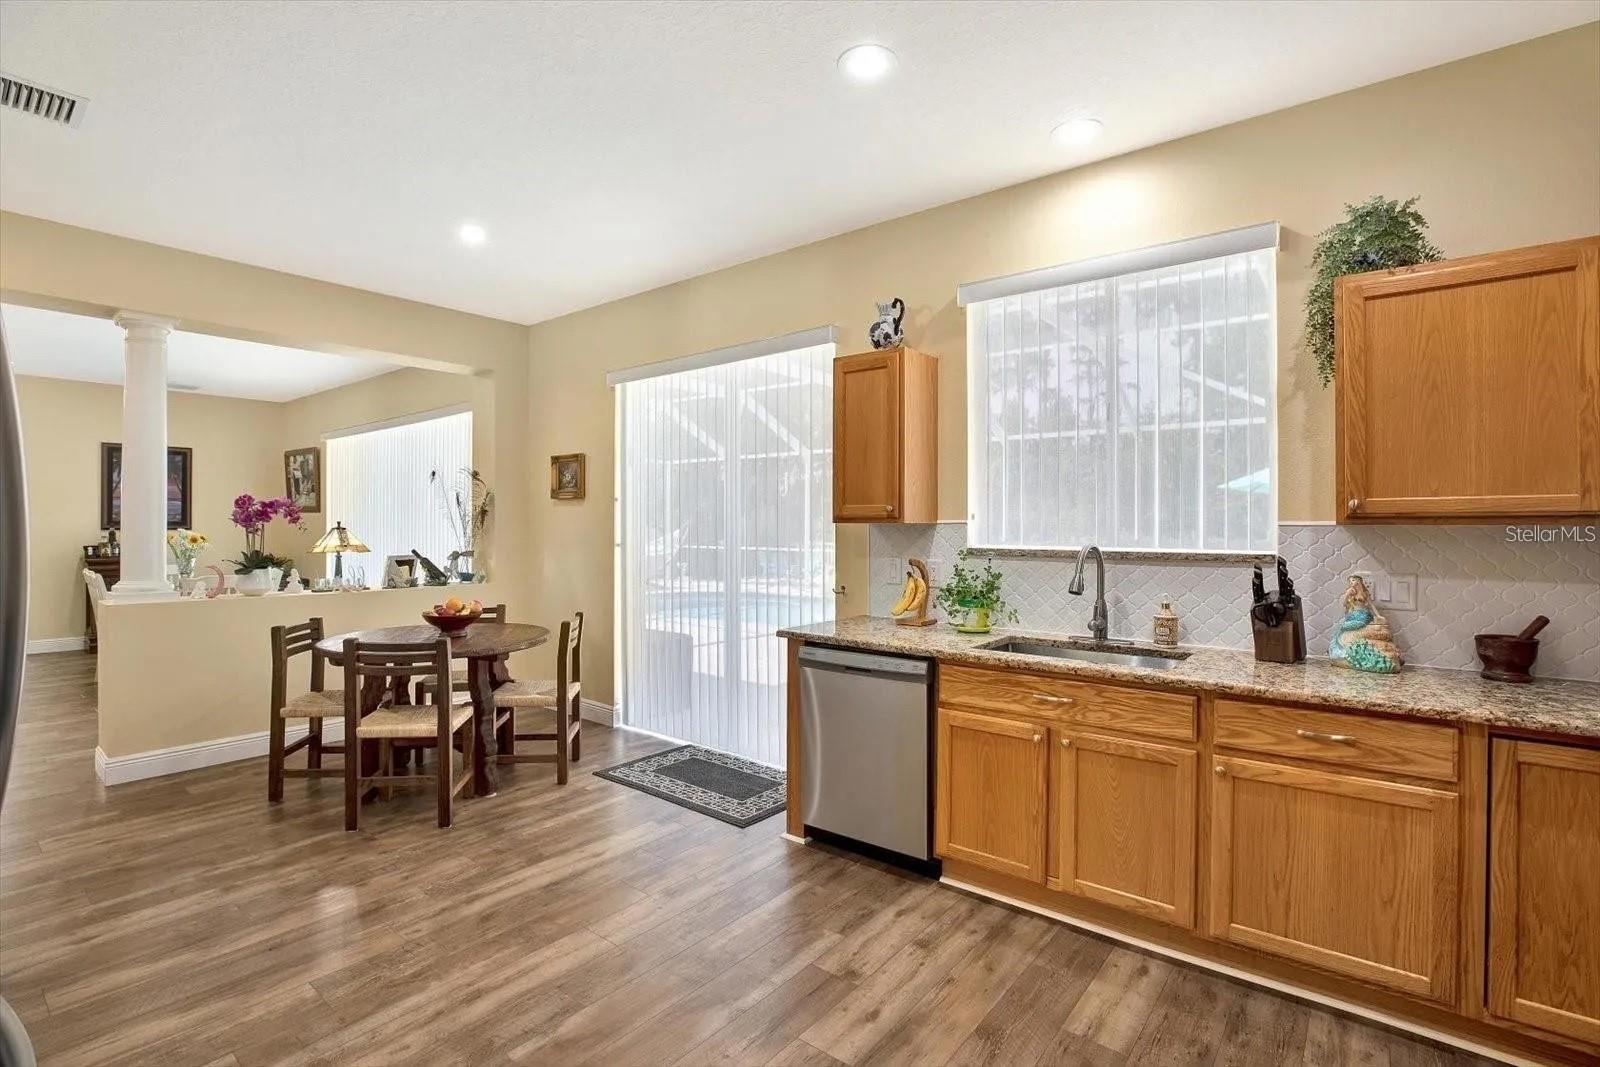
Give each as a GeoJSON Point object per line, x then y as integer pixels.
{"type": "Point", "coordinates": [484, 645]}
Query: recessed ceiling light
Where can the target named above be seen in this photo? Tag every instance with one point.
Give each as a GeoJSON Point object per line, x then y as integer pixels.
{"type": "Point", "coordinates": [1074, 133]}
{"type": "Point", "coordinates": [472, 234]}
{"type": "Point", "coordinates": [866, 63]}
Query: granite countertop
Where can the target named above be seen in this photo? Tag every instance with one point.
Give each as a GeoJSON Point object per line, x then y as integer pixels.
{"type": "Point", "coordinates": [1555, 706]}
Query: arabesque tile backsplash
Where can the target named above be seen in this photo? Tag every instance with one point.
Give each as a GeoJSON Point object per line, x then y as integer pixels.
{"type": "Point", "coordinates": [1470, 579]}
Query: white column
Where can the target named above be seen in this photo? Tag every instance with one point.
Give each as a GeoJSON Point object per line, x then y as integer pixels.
{"type": "Point", "coordinates": [144, 458]}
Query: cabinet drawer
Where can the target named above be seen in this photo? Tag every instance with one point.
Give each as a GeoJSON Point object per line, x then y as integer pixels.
{"type": "Point", "coordinates": [1065, 700]}
{"type": "Point", "coordinates": [1333, 737]}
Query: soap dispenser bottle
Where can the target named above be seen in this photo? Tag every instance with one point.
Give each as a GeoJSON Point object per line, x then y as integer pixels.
{"type": "Point", "coordinates": [1165, 625]}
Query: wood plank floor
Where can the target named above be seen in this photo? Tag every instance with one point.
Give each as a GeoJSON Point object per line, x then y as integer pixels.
{"type": "Point", "coordinates": [184, 921]}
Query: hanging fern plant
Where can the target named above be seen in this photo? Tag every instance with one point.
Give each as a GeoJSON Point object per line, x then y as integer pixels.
{"type": "Point", "coordinates": [1376, 234]}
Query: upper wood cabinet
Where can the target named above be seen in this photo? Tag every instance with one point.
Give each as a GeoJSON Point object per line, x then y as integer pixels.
{"type": "Point", "coordinates": [886, 437]}
{"type": "Point", "coordinates": [1351, 874]}
{"type": "Point", "coordinates": [1469, 390]}
{"type": "Point", "coordinates": [1544, 887]}
{"type": "Point", "coordinates": [990, 793]}
{"type": "Point", "coordinates": [1123, 823]}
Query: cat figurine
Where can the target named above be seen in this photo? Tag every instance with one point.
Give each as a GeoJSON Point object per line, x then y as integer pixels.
{"type": "Point", "coordinates": [889, 328]}
{"type": "Point", "coordinates": [1362, 640]}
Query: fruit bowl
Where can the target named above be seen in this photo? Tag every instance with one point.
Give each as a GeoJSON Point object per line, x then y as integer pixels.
{"type": "Point", "coordinates": [453, 623]}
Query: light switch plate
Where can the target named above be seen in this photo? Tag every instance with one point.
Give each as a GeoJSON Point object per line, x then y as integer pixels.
{"type": "Point", "coordinates": [1392, 592]}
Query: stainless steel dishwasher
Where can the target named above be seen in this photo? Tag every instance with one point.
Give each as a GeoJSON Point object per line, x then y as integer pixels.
{"type": "Point", "coordinates": [865, 748]}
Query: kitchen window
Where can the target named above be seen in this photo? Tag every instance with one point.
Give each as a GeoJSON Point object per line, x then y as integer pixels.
{"type": "Point", "coordinates": [1129, 401]}
{"type": "Point", "coordinates": [378, 487]}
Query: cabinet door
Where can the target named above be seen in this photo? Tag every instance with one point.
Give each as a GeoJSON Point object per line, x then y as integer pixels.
{"type": "Point", "coordinates": [1544, 887]}
{"type": "Point", "coordinates": [1471, 388]}
{"type": "Point", "coordinates": [991, 793]}
{"type": "Point", "coordinates": [1353, 875]}
{"type": "Point", "coordinates": [866, 436]}
{"type": "Point", "coordinates": [1123, 822]}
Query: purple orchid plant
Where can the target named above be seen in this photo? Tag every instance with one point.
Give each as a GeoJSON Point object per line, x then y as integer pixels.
{"type": "Point", "coordinates": [252, 516]}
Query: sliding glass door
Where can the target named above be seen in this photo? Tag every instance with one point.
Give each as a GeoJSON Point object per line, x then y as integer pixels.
{"type": "Point", "coordinates": [726, 535]}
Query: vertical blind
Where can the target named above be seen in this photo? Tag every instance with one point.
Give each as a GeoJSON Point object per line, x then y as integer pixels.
{"type": "Point", "coordinates": [377, 485]}
{"type": "Point", "coordinates": [726, 528]}
{"type": "Point", "coordinates": [1134, 411]}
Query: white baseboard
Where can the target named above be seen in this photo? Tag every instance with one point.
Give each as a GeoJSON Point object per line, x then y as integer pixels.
{"type": "Point", "coordinates": [57, 644]}
{"type": "Point", "coordinates": [116, 770]}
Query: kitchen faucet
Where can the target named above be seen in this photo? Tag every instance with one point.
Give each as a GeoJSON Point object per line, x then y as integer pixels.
{"type": "Point", "coordinates": [1097, 621]}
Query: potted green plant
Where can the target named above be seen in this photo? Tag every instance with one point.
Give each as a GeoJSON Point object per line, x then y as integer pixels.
{"type": "Point", "coordinates": [971, 598]}
{"type": "Point", "coordinates": [1376, 234]}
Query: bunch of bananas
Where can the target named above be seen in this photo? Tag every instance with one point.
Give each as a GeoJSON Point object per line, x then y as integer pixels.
{"type": "Point", "coordinates": [913, 597]}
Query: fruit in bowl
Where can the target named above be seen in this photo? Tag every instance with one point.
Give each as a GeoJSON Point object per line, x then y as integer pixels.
{"type": "Point", "coordinates": [454, 615]}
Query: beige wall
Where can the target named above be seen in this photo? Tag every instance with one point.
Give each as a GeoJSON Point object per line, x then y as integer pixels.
{"type": "Point", "coordinates": [236, 451]}
{"type": "Point", "coordinates": [1503, 148]}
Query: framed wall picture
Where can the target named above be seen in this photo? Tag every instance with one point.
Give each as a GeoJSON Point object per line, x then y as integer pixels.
{"type": "Point", "coordinates": [566, 477]}
{"type": "Point", "coordinates": [302, 478]}
{"type": "Point", "coordinates": [180, 486]}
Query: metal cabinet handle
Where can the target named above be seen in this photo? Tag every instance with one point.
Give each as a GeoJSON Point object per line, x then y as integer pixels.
{"type": "Point", "coordinates": [1220, 770]}
{"type": "Point", "coordinates": [1315, 735]}
{"type": "Point", "coordinates": [1037, 738]}
{"type": "Point", "coordinates": [1353, 504]}
{"type": "Point", "coordinates": [888, 508]}
{"type": "Point", "coordinates": [1066, 742]}
{"type": "Point", "coordinates": [1048, 699]}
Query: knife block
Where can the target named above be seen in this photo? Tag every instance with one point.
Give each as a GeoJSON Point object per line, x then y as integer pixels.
{"type": "Point", "coordinates": [1283, 643]}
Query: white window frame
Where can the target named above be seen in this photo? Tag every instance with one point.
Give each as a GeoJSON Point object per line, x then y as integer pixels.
{"type": "Point", "coordinates": [1248, 239]}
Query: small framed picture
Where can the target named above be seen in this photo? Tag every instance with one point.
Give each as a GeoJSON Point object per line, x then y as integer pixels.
{"type": "Point", "coordinates": [566, 477]}
{"type": "Point", "coordinates": [302, 478]}
{"type": "Point", "coordinates": [180, 486]}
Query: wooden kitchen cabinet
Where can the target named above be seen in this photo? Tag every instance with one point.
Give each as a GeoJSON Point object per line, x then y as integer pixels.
{"type": "Point", "coordinates": [989, 806]}
{"type": "Point", "coordinates": [885, 437]}
{"type": "Point", "coordinates": [1354, 875]}
{"type": "Point", "coordinates": [1122, 816]}
{"type": "Point", "coordinates": [1544, 887]}
{"type": "Point", "coordinates": [1469, 390]}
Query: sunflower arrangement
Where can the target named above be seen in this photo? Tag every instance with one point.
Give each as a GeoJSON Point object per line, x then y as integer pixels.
{"type": "Point", "coordinates": [186, 547]}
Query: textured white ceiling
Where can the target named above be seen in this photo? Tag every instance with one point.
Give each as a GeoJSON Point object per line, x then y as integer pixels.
{"type": "Point", "coordinates": [52, 344]}
{"type": "Point", "coordinates": [613, 147]}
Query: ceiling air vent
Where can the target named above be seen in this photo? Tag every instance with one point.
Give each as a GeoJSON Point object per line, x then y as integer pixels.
{"type": "Point", "coordinates": [50, 104]}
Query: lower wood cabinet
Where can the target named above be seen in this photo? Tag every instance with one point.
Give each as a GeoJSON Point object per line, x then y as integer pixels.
{"type": "Point", "coordinates": [1544, 887]}
{"type": "Point", "coordinates": [1353, 875]}
{"type": "Point", "coordinates": [989, 804]}
{"type": "Point", "coordinates": [1123, 823]}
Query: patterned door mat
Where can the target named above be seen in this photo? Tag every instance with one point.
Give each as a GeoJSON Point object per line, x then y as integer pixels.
{"type": "Point", "coordinates": [717, 784]}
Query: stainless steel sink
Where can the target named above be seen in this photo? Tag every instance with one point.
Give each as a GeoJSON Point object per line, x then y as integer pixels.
{"type": "Point", "coordinates": [1086, 652]}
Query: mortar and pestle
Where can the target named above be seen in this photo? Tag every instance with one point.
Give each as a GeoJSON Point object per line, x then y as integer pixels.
{"type": "Point", "coordinates": [1507, 657]}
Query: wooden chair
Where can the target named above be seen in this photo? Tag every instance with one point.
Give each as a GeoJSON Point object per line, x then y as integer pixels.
{"type": "Point", "coordinates": [458, 677]}
{"type": "Point", "coordinates": [313, 706]}
{"type": "Point", "coordinates": [564, 695]}
{"type": "Point", "coordinates": [438, 721]}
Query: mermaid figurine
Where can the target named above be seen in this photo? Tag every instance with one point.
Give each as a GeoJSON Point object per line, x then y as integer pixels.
{"type": "Point", "coordinates": [1362, 640]}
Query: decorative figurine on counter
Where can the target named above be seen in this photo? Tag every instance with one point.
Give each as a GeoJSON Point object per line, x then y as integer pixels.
{"type": "Point", "coordinates": [1363, 641]}
{"type": "Point", "coordinates": [889, 329]}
